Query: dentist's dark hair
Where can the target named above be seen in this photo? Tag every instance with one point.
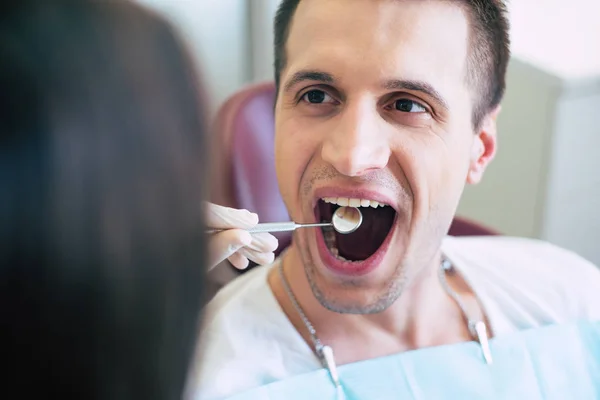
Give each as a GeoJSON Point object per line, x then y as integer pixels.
{"type": "Point", "coordinates": [101, 183]}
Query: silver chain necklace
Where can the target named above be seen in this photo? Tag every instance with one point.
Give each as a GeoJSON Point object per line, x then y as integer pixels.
{"type": "Point", "coordinates": [477, 327]}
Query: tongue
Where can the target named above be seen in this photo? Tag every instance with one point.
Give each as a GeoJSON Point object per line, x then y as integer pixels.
{"type": "Point", "coordinates": [365, 241]}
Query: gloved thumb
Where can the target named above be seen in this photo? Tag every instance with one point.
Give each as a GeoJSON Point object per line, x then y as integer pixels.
{"type": "Point", "coordinates": [223, 244]}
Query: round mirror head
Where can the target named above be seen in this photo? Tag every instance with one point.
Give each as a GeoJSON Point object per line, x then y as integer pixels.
{"type": "Point", "coordinates": [346, 219]}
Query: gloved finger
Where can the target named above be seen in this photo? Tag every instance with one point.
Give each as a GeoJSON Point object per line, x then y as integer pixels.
{"type": "Point", "coordinates": [261, 258]}
{"type": "Point", "coordinates": [220, 217]}
{"type": "Point", "coordinates": [263, 243]}
{"type": "Point", "coordinates": [223, 244]}
{"type": "Point", "coordinates": [238, 261]}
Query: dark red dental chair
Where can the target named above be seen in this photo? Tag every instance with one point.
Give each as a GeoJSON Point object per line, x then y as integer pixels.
{"type": "Point", "coordinates": [243, 165]}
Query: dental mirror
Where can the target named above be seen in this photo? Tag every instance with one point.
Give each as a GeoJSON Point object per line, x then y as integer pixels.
{"type": "Point", "coordinates": [345, 220]}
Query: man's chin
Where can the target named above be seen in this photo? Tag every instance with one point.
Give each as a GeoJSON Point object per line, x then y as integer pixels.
{"type": "Point", "coordinates": [351, 299]}
{"type": "Point", "coordinates": [364, 287]}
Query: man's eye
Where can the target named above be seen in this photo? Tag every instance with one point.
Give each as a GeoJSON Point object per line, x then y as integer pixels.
{"type": "Point", "coordinates": [410, 106]}
{"type": "Point", "coordinates": [317, 97]}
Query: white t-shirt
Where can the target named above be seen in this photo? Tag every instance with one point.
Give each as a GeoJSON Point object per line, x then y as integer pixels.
{"type": "Point", "coordinates": [247, 340]}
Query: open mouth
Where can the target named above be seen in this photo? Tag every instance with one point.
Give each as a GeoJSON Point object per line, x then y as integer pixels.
{"type": "Point", "coordinates": [363, 243]}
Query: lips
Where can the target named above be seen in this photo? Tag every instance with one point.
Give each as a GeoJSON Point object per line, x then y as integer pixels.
{"type": "Point", "coordinates": [369, 202]}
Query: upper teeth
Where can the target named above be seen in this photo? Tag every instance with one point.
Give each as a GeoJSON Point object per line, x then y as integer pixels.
{"type": "Point", "coordinates": [345, 201]}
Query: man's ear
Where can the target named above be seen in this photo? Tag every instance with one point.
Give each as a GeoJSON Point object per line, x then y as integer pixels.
{"type": "Point", "coordinates": [484, 147]}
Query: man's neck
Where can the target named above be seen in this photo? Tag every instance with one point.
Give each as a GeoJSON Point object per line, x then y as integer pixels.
{"type": "Point", "coordinates": [424, 315]}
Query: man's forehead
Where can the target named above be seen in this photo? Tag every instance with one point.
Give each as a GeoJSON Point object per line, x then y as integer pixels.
{"type": "Point", "coordinates": [410, 38]}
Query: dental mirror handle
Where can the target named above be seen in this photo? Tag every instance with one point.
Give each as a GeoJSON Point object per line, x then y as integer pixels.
{"type": "Point", "coordinates": [277, 227]}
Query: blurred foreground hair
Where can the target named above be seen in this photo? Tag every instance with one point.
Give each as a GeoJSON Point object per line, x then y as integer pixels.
{"type": "Point", "coordinates": [101, 182]}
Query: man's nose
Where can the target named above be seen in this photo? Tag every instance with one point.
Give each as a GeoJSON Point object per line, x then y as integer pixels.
{"type": "Point", "coordinates": [358, 144]}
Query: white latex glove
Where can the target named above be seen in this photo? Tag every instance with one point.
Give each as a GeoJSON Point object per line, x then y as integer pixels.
{"type": "Point", "coordinates": [235, 243]}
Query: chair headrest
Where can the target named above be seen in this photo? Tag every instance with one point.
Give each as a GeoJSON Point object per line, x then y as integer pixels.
{"type": "Point", "coordinates": [244, 157]}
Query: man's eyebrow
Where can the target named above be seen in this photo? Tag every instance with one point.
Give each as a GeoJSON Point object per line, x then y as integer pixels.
{"type": "Point", "coordinates": [417, 86]}
{"type": "Point", "coordinates": [301, 76]}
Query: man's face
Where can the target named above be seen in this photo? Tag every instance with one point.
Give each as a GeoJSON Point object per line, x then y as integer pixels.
{"type": "Point", "coordinates": [374, 109]}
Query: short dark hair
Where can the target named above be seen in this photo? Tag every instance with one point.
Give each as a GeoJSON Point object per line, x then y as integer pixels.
{"type": "Point", "coordinates": [488, 58]}
{"type": "Point", "coordinates": [101, 183]}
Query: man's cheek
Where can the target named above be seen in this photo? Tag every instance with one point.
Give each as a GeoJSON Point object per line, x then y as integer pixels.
{"type": "Point", "coordinates": [288, 180]}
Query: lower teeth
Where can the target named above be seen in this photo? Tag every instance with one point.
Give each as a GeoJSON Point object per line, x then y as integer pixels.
{"type": "Point", "coordinates": [329, 236]}
{"type": "Point", "coordinates": [342, 258]}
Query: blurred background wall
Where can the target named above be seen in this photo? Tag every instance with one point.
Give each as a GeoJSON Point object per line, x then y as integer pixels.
{"type": "Point", "coordinates": [545, 182]}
